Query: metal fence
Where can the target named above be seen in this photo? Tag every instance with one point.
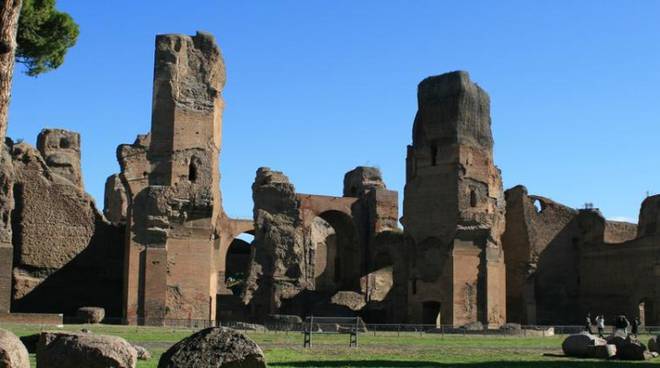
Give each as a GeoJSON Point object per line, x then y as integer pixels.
{"type": "Point", "coordinates": [375, 329]}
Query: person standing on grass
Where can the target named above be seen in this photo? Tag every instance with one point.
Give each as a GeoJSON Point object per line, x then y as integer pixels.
{"type": "Point", "coordinates": [635, 327]}
{"type": "Point", "coordinates": [600, 324]}
{"type": "Point", "coordinates": [587, 323]}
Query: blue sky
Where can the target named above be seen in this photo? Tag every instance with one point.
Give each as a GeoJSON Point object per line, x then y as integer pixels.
{"type": "Point", "coordinates": [316, 88]}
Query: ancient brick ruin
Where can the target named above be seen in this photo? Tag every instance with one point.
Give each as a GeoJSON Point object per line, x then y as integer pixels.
{"type": "Point", "coordinates": [562, 263]}
{"type": "Point", "coordinates": [164, 251]}
{"type": "Point", "coordinates": [453, 212]}
{"type": "Point", "coordinates": [61, 252]}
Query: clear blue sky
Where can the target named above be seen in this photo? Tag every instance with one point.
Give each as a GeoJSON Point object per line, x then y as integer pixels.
{"type": "Point", "coordinates": [317, 87]}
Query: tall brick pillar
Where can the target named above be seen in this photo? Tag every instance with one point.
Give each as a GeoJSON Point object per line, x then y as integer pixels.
{"type": "Point", "coordinates": [453, 209]}
{"type": "Point", "coordinates": [171, 273]}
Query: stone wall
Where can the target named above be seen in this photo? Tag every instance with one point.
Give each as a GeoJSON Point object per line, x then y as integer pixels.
{"type": "Point", "coordinates": [540, 248]}
{"type": "Point", "coordinates": [62, 253]}
{"type": "Point", "coordinates": [562, 263]}
{"type": "Point", "coordinates": [6, 208]}
{"type": "Point", "coordinates": [454, 207]}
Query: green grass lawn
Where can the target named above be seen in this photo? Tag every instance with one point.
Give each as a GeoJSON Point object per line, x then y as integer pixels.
{"type": "Point", "coordinates": [384, 350]}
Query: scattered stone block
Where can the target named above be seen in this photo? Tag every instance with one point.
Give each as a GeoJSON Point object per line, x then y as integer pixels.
{"type": "Point", "coordinates": [68, 349]}
{"type": "Point", "coordinates": [248, 326]}
{"type": "Point", "coordinates": [582, 345]}
{"type": "Point", "coordinates": [142, 352]}
{"type": "Point", "coordinates": [473, 326]}
{"type": "Point", "coordinates": [654, 345]}
{"type": "Point", "coordinates": [214, 347]}
{"type": "Point", "coordinates": [284, 321]}
{"type": "Point", "coordinates": [91, 314]}
{"type": "Point", "coordinates": [604, 351]}
{"type": "Point", "coordinates": [12, 352]}
{"type": "Point", "coordinates": [633, 349]}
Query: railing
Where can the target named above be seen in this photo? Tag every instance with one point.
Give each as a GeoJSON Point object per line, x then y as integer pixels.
{"type": "Point", "coordinates": [375, 329]}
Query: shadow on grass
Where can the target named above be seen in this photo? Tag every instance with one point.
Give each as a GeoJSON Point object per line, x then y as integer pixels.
{"type": "Point", "coordinates": [498, 364]}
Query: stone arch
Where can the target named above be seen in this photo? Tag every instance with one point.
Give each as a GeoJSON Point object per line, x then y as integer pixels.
{"type": "Point", "coordinates": [231, 253]}
{"type": "Point", "coordinates": [234, 236]}
{"type": "Point", "coordinates": [338, 256]}
{"type": "Point", "coordinates": [237, 262]}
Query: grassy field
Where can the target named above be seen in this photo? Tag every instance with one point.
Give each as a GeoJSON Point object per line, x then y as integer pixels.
{"type": "Point", "coordinates": [384, 350]}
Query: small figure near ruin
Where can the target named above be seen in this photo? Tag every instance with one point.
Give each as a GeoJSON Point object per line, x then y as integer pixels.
{"type": "Point", "coordinates": [622, 324]}
{"type": "Point", "coordinates": [635, 326]}
{"type": "Point", "coordinates": [587, 323]}
{"type": "Point", "coordinates": [600, 324]}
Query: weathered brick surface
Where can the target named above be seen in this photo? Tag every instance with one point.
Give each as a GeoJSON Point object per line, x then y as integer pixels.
{"type": "Point", "coordinates": [454, 207]}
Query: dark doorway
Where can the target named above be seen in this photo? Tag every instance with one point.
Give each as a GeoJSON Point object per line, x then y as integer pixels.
{"type": "Point", "coordinates": [431, 313]}
{"type": "Point", "coordinates": [338, 258]}
{"type": "Point", "coordinates": [237, 263]}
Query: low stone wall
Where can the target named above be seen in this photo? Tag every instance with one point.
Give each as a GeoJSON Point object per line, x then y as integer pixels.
{"type": "Point", "coordinates": [32, 318]}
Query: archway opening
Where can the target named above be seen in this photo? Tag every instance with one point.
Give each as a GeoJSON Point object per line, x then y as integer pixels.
{"type": "Point", "coordinates": [338, 259]}
{"type": "Point", "coordinates": [431, 313]}
{"type": "Point", "coordinates": [238, 262]}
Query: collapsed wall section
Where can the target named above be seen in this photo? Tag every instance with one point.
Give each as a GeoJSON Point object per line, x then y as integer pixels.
{"type": "Point", "coordinates": [6, 246]}
{"type": "Point", "coordinates": [325, 255]}
{"type": "Point", "coordinates": [63, 253]}
{"type": "Point", "coordinates": [541, 251]}
{"type": "Point", "coordinates": [279, 266]}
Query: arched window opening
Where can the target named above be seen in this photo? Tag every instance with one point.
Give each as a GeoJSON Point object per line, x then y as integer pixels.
{"type": "Point", "coordinates": [192, 171]}
{"type": "Point", "coordinates": [538, 205]}
{"type": "Point", "coordinates": [473, 198]}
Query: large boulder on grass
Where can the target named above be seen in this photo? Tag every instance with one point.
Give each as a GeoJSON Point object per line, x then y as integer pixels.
{"type": "Point", "coordinates": [214, 348]}
{"type": "Point", "coordinates": [654, 344]}
{"type": "Point", "coordinates": [90, 314]}
{"type": "Point", "coordinates": [12, 352]}
{"type": "Point", "coordinates": [582, 345]}
{"type": "Point", "coordinates": [68, 349]}
{"type": "Point", "coordinates": [604, 351]}
{"type": "Point", "coordinates": [633, 349]}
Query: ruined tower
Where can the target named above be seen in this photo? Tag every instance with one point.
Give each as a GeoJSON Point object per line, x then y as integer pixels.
{"type": "Point", "coordinates": [454, 207]}
{"type": "Point", "coordinates": [172, 182]}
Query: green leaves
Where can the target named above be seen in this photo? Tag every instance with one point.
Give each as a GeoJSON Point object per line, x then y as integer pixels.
{"type": "Point", "coordinates": [44, 36]}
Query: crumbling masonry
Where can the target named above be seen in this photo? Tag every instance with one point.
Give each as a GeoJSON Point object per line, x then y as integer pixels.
{"type": "Point", "coordinates": [165, 252]}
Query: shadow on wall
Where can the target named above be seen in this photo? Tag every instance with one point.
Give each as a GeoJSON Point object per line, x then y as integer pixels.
{"type": "Point", "coordinates": [558, 292]}
{"type": "Point", "coordinates": [91, 278]}
{"type": "Point", "coordinates": [495, 364]}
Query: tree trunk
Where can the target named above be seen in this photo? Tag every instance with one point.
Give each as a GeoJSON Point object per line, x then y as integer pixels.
{"type": "Point", "coordinates": [9, 13]}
